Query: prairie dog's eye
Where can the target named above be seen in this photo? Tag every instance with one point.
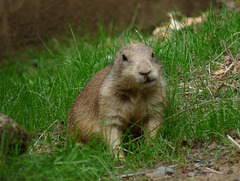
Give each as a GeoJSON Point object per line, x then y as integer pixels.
{"type": "Point", "coordinates": [124, 58]}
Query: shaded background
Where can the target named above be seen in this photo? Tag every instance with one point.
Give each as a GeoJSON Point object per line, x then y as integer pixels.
{"type": "Point", "coordinates": [21, 20]}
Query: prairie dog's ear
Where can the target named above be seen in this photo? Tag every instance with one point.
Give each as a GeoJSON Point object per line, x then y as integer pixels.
{"type": "Point", "coordinates": [153, 56]}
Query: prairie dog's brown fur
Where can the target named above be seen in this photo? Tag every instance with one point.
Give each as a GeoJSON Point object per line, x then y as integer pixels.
{"type": "Point", "coordinates": [130, 91]}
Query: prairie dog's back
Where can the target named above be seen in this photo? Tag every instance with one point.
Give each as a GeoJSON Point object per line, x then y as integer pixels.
{"type": "Point", "coordinates": [85, 107]}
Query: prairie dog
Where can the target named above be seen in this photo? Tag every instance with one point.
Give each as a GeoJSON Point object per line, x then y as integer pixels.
{"type": "Point", "coordinates": [129, 92]}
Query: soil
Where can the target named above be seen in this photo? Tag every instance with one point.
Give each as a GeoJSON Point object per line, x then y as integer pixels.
{"type": "Point", "coordinates": [202, 165]}
{"type": "Point", "coordinates": [21, 21]}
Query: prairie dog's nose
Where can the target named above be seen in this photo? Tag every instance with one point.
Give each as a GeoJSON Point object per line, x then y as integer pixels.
{"type": "Point", "coordinates": [144, 72]}
{"type": "Point", "coordinates": [145, 68]}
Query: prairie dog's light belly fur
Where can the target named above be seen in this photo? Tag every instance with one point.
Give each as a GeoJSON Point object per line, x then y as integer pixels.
{"type": "Point", "coordinates": [130, 91]}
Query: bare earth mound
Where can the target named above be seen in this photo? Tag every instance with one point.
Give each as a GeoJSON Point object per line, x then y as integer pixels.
{"type": "Point", "coordinates": [20, 21]}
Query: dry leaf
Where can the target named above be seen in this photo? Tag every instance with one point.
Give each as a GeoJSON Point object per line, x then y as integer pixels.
{"type": "Point", "coordinates": [219, 72]}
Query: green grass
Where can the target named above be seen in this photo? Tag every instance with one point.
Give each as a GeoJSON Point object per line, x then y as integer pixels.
{"type": "Point", "coordinates": [41, 91]}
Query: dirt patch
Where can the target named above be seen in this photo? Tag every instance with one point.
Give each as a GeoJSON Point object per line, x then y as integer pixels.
{"type": "Point", "coordinates": [20, 21]}
{"type": "Point", "coordinates": [215, 162]}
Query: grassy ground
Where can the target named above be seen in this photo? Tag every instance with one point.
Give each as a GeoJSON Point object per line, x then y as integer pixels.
{"type": "Point", "coordinates": [39, 93]}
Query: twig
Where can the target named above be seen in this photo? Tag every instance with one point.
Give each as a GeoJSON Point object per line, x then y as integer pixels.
{"type": "Point", "coordinates": [209, 68]}
{"type": "Point", "coordinates": [43, 134]}
{"type": "Point", "coordinates": [203, 103]}
{"type": "Point", "coordinates": [214, 171]}
{"type": "Point", "coordinates": [216, 109]}
{"type": "Point", "coordinates": [233, 36]}
{"type": "Point", "coordinates": [210, 91]}
{"type": "Point", "coordinates": [234, 142]}
{"type": "Point", "coordinates": [231, 86]}
{"type": "Point", "coordinates": [124, 149]}
{"type": "Point", "coordinates": [131, 174]}
{"type": "Point", "coordinates": [229, 68]}
{"type": "Point", "coordinates": [199, 90]}
{"type": "Point", "coordinates": [210, 159]}
{"type": "Point", "coordinates": [225, 50]}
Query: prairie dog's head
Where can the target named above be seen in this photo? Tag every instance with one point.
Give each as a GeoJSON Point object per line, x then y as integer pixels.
{"type": "Point", "coordinates": [136, 65]}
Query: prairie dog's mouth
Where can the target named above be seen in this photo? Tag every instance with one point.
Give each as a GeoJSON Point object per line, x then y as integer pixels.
{"type": "Point", "coordinates": [147, 80]}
